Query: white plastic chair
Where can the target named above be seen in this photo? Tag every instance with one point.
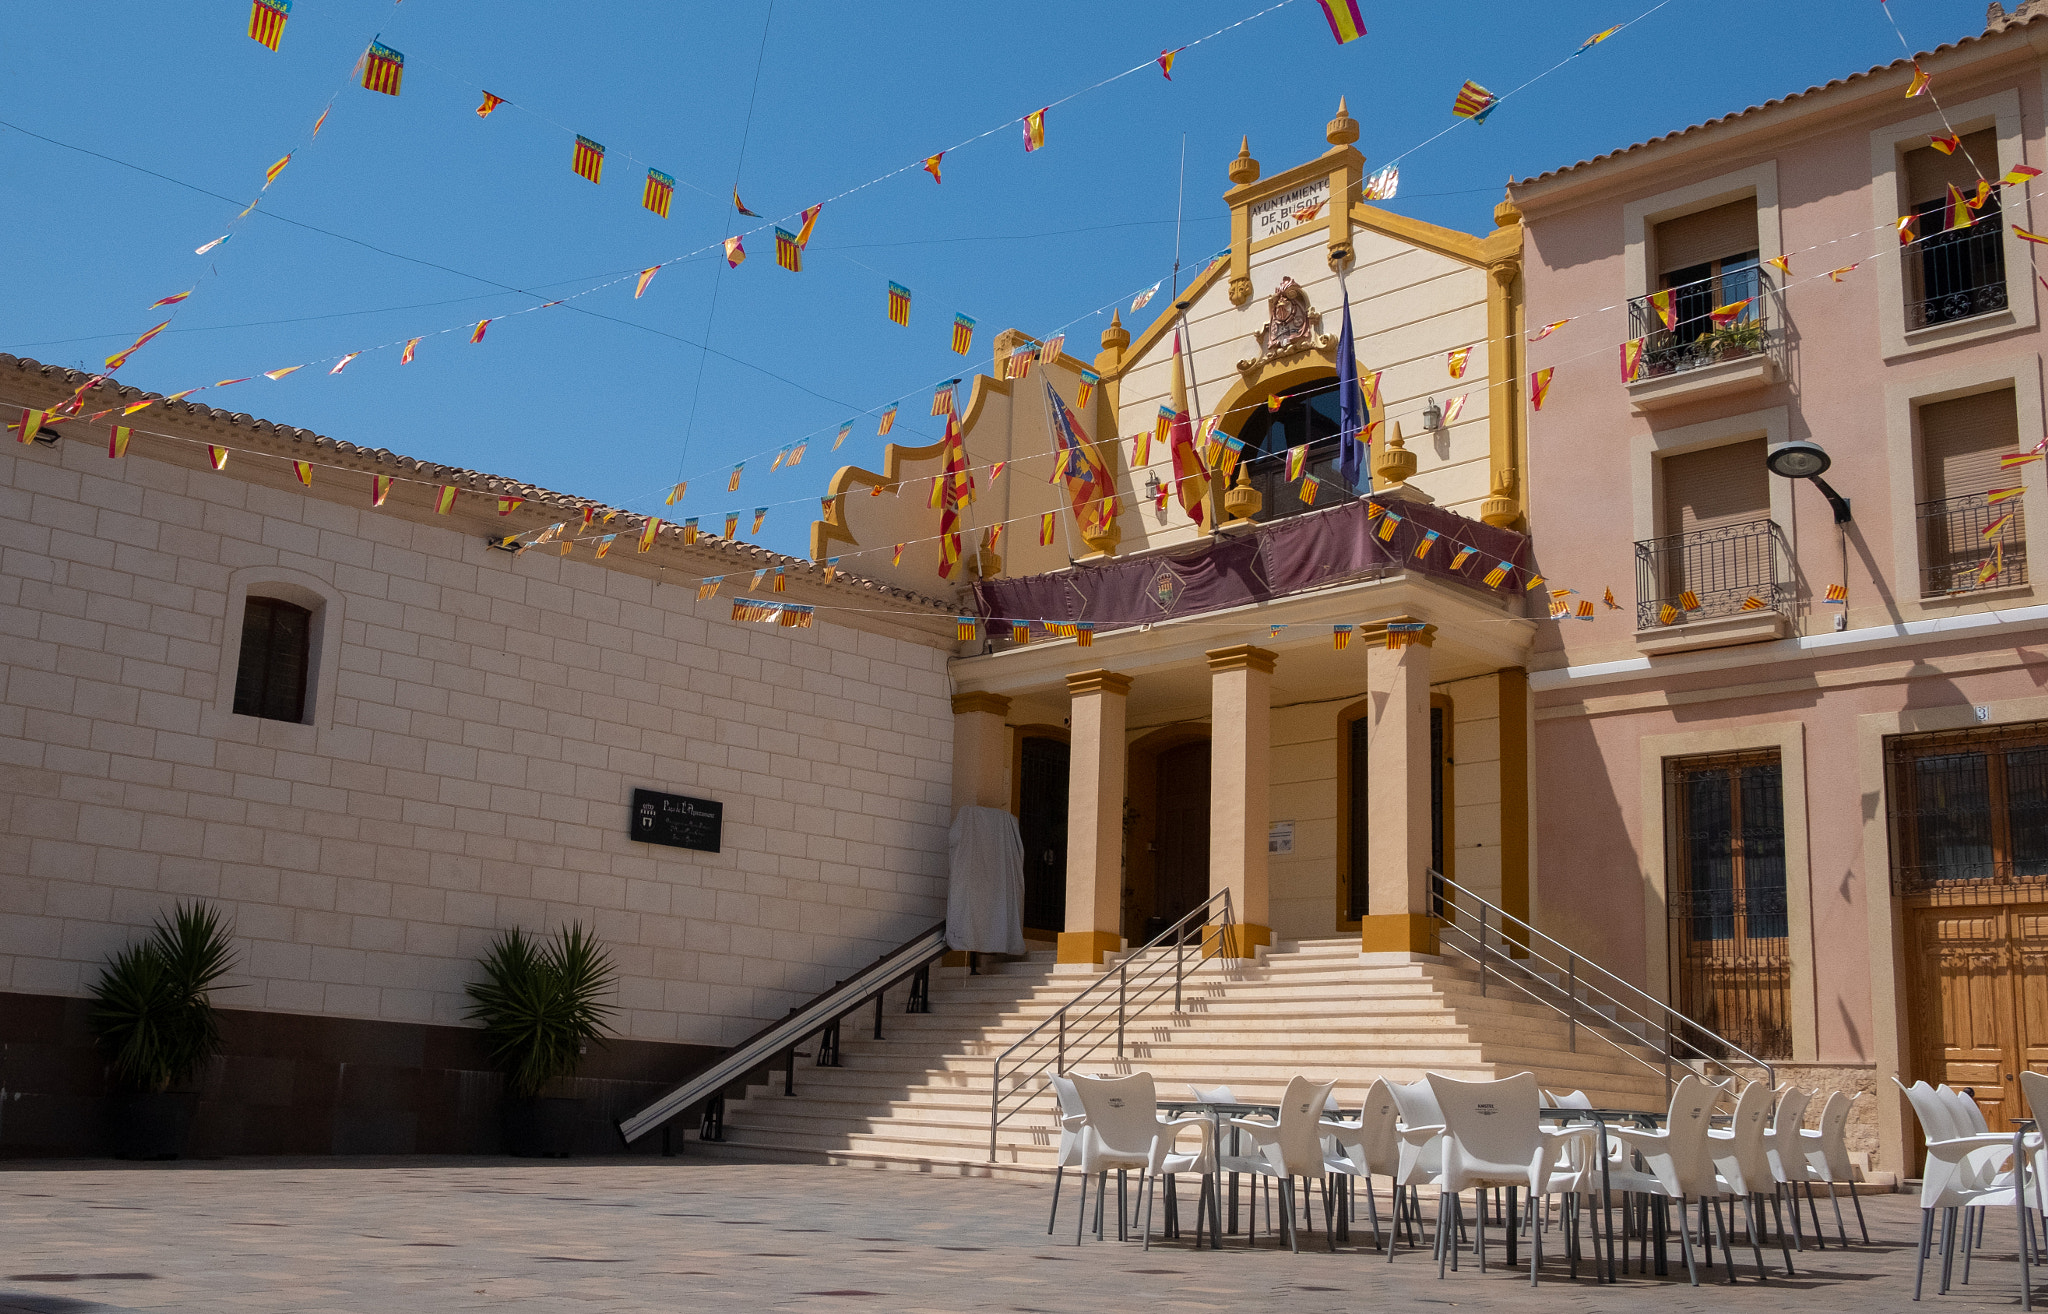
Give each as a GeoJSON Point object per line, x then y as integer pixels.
{"type": "Point", "coordinates": [1124, 1131]}
{"type": "Point", "coordinates": [1676, 1161]}
{"type": "Point", "coordinates": [1493, 1138]}
{"type": "Point", "coordinates": [1072, 1118]}
{"type": "Point", "coordinates": [1742, 1161]}
{"type": "Point", "coordinates": [1213, 1095]}
{"type": "Point", "coordinates": [1964, 1172]}
{"type": "Point", "coordinates": [1420, 1153]}
{"type": "Point", "coordinates": [1826, 1160]}
{"type": "Point", "coordinates": [1287, 1149]}
{"type": "Point", "coordinates": [1787, 1154]}
{"type": "Point", "coordinates": [1369, 1147]}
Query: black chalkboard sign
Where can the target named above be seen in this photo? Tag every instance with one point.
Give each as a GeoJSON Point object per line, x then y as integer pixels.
{"type": "Point", "coordinates": [672, 819]}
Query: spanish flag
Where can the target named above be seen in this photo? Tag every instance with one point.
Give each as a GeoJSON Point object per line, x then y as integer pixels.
{"type": "Point", "coordinates": [30, 425]}
{"type": "Point", "coordinates": [588, 161]}
{"type": "Point", "coordinates": [383, 68]}
{"type": "Point", "coordinates": [648, 533]}
{"type": "Point", "coordinates": [658, 192]}
{"type": "Point", "coordinates": [117, 447]}
{"type": "Point", "coordinates": [380, 488]}
{"type": "Point", "coordinates": [810, 220]}
{"type": "Point", "coordinates": [1457, 361]}
{"type": "Point", "coordinates": [931, 166]}
{"type": "Point", "coordinates": [1346, 23]}
{"type": "Point", "coordinates": [477, 334]}
{"type": "Point", "coordinates": [735, 252]}
{"type": "Point", "coordinates": [507, 505]}
{"type": "Point", "coordinates": [1632, 359]}
{"type": "Point", "coordinates": [741, 206]}
{"type": "Point", "coordinates": [1297, 462]}
{"type": "Point", "coordinates": [411, 345]}
{"type": "Point", "coordinates": [1539, 386]}
{"type": "Point", "coordinates": [444, 501]}
{"type": "Point", "coordinates": [304, 470]}
{"type": "Point", "coordinates": [1034, 129]}
{"type": "Point", "coordinates": [646, 277]}
{"type": "Point", "coordinates": [490, 103]}
{"type": "Point", "coordinates": [266, 21]}
{"type": "Point", "coordinates": [1959, 210]}
{"type": "Point", "coordinates": [217, 455]}
{"type": "Point", "coordinates": [1664, 303]}
{"type": "Point", "coordinates": [1045, 528]}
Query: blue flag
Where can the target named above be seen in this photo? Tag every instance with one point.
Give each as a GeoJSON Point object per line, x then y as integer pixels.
{"type": "Point", "coordinates": [1351, 416]}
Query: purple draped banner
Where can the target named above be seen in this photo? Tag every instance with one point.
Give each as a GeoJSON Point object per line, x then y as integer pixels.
{"type": "Point", "coordinates": [1286, 556]}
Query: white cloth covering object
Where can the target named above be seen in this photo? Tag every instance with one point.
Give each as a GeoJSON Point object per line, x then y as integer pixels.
{"type": "Point", "coordinates": [985, 892]}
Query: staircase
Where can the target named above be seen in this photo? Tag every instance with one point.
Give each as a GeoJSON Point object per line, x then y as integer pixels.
{"type": "Point", "coordinates": [919, 1098]}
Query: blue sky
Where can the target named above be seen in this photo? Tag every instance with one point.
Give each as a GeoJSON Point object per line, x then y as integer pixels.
{"type": "Point", "coordinates": [412, 215]}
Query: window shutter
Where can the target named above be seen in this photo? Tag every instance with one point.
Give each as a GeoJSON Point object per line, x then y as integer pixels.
{"type": "Point", "coordinates": [270, 679]}
{"type": "Point", "coordinates": [1694, 239]}
{"type": "Point", "coordinates": [1961, 441]}
{"type": "Point", "coordinates": [1929, 173]}
{"type": "Point", "coordinates": [1716, 488]}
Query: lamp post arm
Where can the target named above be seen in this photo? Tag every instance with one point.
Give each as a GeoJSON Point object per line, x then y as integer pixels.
{"type": "Point", "coordinates": [1839, 503]}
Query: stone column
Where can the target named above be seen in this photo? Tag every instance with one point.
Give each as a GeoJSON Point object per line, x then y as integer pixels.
{"type": "Point", "coordinates": [1240, 775]}
{"type": "Point", "coordinates": [1095, 817]}
{"type": "Point", "coordinates": [981, 751]}
{"type": "Point", "coordinates": [1397, 770]}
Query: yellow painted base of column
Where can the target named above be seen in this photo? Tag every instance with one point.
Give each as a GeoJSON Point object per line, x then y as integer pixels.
{"type": "Point", "coordinates": [1397, 933]}
{"type": "Point", "coordinates": [1088, 946]}
{"type": "Point", "coordinates": [1238, 940]}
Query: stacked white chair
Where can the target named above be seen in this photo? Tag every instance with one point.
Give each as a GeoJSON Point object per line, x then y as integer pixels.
{"type": "Point", "coordinates": [1963, 1171]}
{"type": "Point", "coordinates": [1368, 1147]}
{"type": "Point", "coordinates": [1677, 1163]}
{"type": "Point", "coordinates": [1288, 1149]}
{"type": "Point", "coordinates": [1785, 1148]}
{"type": "Point", "coordinates": [1492, 1137]}
{"type": "Point", "coordinates": [1072, 1119]}
{"type": "Point", "coordinates": [1420, 1159]}
{"type": "Point", "coordinates": [1742, 1162]}
{"type": "Point", "coordinates": [1124, 1131]}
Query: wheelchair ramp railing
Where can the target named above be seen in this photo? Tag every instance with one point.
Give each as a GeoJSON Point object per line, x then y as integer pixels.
{"type": "Point", "coordinates": [1094, 1024]}
{"type": "Point", "coordinates": [910, 961]}
{"type": "Point", "coordinates": [1512, 954]}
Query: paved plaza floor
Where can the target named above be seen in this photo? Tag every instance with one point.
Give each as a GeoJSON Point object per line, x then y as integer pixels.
{"type": "Point", "coordinates": [401, 1235]}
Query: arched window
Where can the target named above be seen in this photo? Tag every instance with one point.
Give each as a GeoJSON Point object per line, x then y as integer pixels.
{"type": "Point", "coordinates": [1307, 416]}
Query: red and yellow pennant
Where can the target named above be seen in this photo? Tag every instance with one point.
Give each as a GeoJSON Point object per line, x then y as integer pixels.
{"type": "Point", "coordinates": [963, 334]}
{"type": "Point", "coordinates": [405, 357]}
{"type": "Point", "coordinates": [1346, 23]}
{"type": "Point", "coordinates": [490, 103]}
{"type": "Point", "coordinates": [735, 253]}
{"type": "Point", "coordinates": [1473, 102]}
{"type": "Point", "coordinates": [660, 190]}
{"type": "Point", "coordinates": [1539, 386]}
{"type": "Point", "coordinates": [1457, 361]}
{"type": "Point", "coordinates": [931, 166]}
{"type": "Point", "coordinates": [383, 69]}
{"type": "Point", "coordinates": [1034, 129]}
{"type": "Point", "coordinates": [380, 488]}
{"type": "Point", "coordinates": [266, 21]}
{"type": "Point", "coordinates": [588, 161]}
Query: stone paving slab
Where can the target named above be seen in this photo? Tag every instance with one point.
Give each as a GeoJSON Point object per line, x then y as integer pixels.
{"type": "Point", "coordinates": [392, 1236]}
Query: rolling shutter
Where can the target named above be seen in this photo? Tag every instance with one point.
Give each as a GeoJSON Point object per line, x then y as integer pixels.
{"type": "Point", "coordinates": [1715, 488]}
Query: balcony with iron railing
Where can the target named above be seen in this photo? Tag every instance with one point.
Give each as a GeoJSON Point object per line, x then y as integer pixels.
{"type": "Point", "coordinates": [1955, 275]}
{"type": "Point", "coordinates": [1697, 355]}
{"type": "Point", "coordinates": [1714, 587]}
{"type": "Point", "coordinates": [1969, 544]}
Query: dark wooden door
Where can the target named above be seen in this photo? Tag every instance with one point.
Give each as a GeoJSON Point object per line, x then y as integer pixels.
{"type": "Point", "coordinates": [1042, 824]}
{"type": "Point", "coordinates": [1181, 878]}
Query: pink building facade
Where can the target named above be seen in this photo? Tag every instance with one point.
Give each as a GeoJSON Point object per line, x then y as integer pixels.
{"type": "Point", "coordinates": [1818, 826]}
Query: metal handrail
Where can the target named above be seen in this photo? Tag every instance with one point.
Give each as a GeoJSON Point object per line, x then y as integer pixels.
{"type": "Point", "coordinates": [821, 1015]}
{"type": "Point", "coordinates": [1075, 1035]}
{"type": "Point", "coordinates": [1666, 1029]}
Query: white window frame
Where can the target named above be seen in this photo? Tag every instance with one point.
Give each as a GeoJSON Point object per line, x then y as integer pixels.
{"type": "Point", "coordinates": [323, 659]}
{"type": "Point", "coordinates": [1888, 201]}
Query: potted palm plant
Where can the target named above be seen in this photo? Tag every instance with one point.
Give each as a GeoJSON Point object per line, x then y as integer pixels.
{"type": "Point", "coordinates": [153, 1015]}
{"type": "Point", "coordinates": [541, 1006]}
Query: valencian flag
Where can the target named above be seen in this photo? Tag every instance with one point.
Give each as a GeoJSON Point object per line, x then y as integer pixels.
{"type": "Point", "coordinates": [1474, 102]}
{"type": "Point", "coordinates": [1354, 415]}
{"type": "Point", "coordinates": [660, 188]}
{"type": "Point", "coordinates": [588, 160]}
{"type": "Point", "coordinates": [888, 423]}
{"type": "Point", "coordinates": [383, 68]}
{"type": "Point", "coordinates": [931, 166]}
{"type": "Point", "coordinates": [1190, 476]}
{"type": "Point", "coordinates": [266, 21]}
{"type": "Point", "coordinates": [1346, 23]}
{"type": "Point", "coordinates": [942, 397]}
{"type": "Point", "coordinates": [787, 253]}
{"type": "Point", "coordinates": [490, 103]}
{"type": "Point", "coordinates": [1034, 129]}
{"type": "Point", "coordinates": [899, 303]}
{"type": "Point", "coordinates": [1088, 481]}
{"type": "Point", "coordinates": [1089, 378]}
{"type": "Point", "coordinates": [708, 586]}
{"type": "Point", "coordinates": [963, 334]}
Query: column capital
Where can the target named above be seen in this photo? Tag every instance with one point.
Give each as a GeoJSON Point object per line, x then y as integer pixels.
{"type": "Point", "coordinates": [1426, 636]}
{"type": "Point", "coordinates": [1242, 657]}
{"type": "Point", "coordinates": [977, 701]}
{"type": "Point", "coordinates": [1098, 681]}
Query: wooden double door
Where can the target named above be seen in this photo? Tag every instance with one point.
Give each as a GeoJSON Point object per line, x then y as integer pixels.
{"type": "Point", "coordinates": [1980, 1003]}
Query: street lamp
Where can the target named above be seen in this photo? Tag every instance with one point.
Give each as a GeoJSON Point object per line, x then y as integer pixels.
{"type": "Point", "coordinates": [1801, 459]}
{"type": "Point", "coordinates": [1432, 417]}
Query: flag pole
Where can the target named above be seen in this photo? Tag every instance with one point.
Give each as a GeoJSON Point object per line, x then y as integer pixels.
{"type": "Point", "coordinates": [1187, 340]}
{"type": "Point", "coordinates": [1179, 207]}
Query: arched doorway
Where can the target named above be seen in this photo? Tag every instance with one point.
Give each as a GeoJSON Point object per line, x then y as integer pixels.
{"type": "Point", "coordinates": [1167, 835]}
{"type": "Point", "coordinates": [1306, 417]}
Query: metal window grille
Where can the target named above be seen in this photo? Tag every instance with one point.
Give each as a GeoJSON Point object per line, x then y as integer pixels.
{"type": "Point", "coordinates": [1960, 272]}
{"type": "Point", "coordinates": [1731, 958]}
{"type": "Point", "coordinates": [1722, 569]}
{"type": "Point", "coordinates": [1954, 550]}
{"type": "Point", "coordinates": [1968, 814]}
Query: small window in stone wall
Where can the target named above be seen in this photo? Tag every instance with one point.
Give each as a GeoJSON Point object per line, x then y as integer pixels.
{"type": "Point", "coordinates": [276, 652]}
